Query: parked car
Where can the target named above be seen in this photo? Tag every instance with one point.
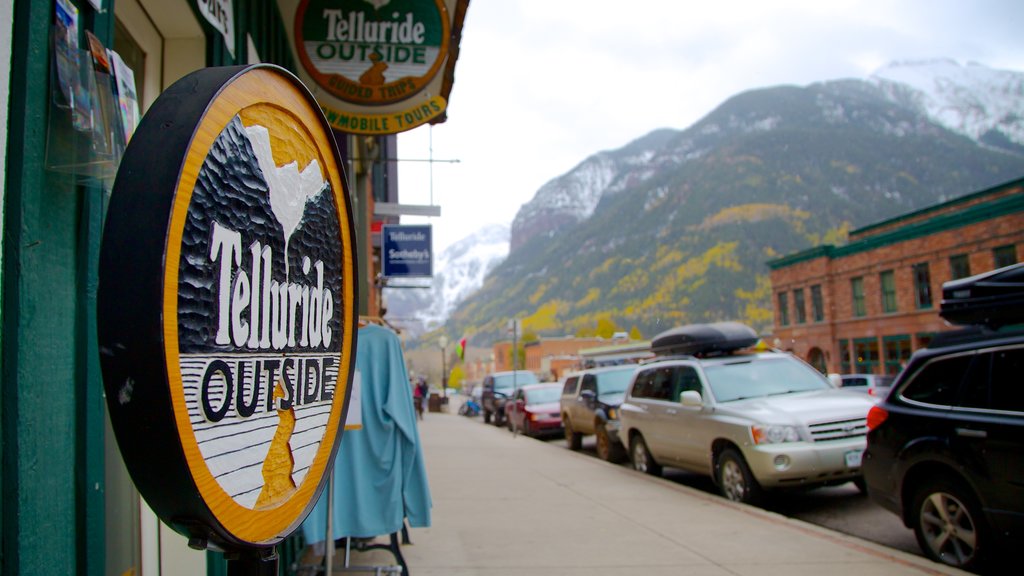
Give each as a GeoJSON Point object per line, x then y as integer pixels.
{"type": "Point", "coordinates": [946, 448]}
{"type": "Point", "coordinates": [534, 410]}
{"type": "Point", "coordinates": [498, 387]}
{"type": "Point", "coordinates": [752, 420]}
{"type": "Point", "coordinates": [875, 385]}
{"type": "Point", "coordinates": [589, 404]}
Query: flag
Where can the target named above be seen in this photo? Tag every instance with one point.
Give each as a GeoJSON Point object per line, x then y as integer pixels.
{"type": "Point", "coordinates": [461, 349]}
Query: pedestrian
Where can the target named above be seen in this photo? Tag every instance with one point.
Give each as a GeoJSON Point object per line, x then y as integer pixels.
{"type": "Point", "coordinates": [424, 393]}
{"type": "Point", "coordinates": [417, 399]}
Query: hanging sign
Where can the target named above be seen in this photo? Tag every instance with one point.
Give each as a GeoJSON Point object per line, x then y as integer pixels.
{"type": "Point", "coordinates": [227, 305]}
{"type": "Point", "coordinates": [375, 65]}
{"type": "Point", "coordinates": [407, 251]}
{"type": "Point", "coordinates": [221, 15]}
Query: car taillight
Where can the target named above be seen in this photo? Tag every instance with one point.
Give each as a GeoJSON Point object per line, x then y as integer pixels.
{"type": "Point", "coordinates": [876, 416]}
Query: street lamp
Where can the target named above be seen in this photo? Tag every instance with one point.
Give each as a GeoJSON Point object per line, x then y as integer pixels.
{"type": "Point", "coordinates": [443, 343]}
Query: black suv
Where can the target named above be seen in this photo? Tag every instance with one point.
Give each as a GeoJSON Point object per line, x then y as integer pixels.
{"type": "Point", "coordinates": [945, 449]}
{"type": "Point", "coordinates": [590, 405]}
{"type": "Point", "coordinates": [498, 388]}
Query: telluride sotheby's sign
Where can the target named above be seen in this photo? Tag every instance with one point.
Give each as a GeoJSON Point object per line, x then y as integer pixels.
{"type": "Point", "coordinates": [376, 63]}
{"type": "Point", "coordinates": [227, 305]}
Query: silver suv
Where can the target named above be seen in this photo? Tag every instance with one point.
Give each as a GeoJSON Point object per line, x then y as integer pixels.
{"type": "Point", "coordinates": [750, 420]}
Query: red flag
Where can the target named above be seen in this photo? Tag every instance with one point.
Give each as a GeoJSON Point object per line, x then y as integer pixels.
{"type": "Point", "coordinates": [461, 350]}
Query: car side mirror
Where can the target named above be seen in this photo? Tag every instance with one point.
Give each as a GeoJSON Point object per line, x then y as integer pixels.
{"type": "Point", "coordinates": [588, 395]}
{"type": "Point", "coordinates": [836, 380]}
{"type": "Point", "coordinates": [691, 398]}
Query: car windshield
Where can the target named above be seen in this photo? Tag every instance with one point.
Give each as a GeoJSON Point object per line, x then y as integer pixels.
{"type": "Point", "coordinates": [544, 395]}
{"type": "Point", "coordinates": [765, 377]}
{"type": "Point", "coordinates": [506, 382]}
{"type": "Point", "coordinates": [614, 381]}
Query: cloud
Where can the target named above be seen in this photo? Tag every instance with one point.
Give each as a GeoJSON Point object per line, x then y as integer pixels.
{"type": "Point", "coordinates": [541, 85]}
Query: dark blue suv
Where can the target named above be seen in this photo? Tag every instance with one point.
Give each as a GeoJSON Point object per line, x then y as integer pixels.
{"type": "Point", "coordinates": [945, 449]}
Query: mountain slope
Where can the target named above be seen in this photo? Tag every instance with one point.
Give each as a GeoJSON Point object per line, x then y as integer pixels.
{"type": "Point", "coordinates": [676, 226]}
{"type": "Point", "coordinates": [459, 271]}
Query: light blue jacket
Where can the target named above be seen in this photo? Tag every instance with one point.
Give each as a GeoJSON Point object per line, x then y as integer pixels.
{"type": "Point", "coordinates": [379, 475]}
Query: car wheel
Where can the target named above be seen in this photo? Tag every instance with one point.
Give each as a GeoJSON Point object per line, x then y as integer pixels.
{"type": "Point", "coordinates": [641, 457]}
{"type": "Point", "coordinates": [574, 440]}
{"type": "Point", "coordinates": [508, 423]}
{"type": "Point", "coordinates": [499, 418]}
{"type": "Point", "coordinates": [526, 427]}
{"type": "Point", "coordinates": [607, 449]}
{"type": "Point", "coordinates": [487, 416]}
{"type": "Point", "coordinates": [735, 480]}
{"type": "Point", "coordinates": [862, 485]}
{"type": "Point", "coordinates": [948, 524]}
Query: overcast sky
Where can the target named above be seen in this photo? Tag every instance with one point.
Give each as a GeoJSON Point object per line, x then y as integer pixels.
{"type": "Point", "coordinates": [540, 85]}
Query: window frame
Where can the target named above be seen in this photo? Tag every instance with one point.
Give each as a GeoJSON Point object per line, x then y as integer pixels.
{"type": "Point", "coordinates": [858, 305]}
{"type": "Point", "coordinates": [800, 306]}
{"type": "Point", "coordinates": [817, 304]}
{"type": "Point", "coordinates": [922, 286]}
{"type": "Point", "coordinates": [887, 291]}
{"type": "Point", "coordinates": [1003, 256]}
{"type": "Point", "coordinates": [959, 266]}
{"type": "Point", "coordinates": [783, 305]}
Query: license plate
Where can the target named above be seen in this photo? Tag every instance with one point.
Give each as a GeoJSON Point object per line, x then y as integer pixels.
{"type": "Point", "coordinates": [853, 458]}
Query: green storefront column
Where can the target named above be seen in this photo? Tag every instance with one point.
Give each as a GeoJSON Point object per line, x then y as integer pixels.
{"type": "Point", "coordinates": [50, 396]}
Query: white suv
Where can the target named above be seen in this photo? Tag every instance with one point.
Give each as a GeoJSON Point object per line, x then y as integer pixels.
{"type": "Point", "coordinates": [750, 420]}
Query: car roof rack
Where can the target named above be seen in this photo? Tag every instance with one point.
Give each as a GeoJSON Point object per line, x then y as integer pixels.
{"type": "Point", "coordinates": [704, 340]}
{"type": "Point", "coordinates": [990, 299]}
{"type": "Point", "coordinates": [974, 333]}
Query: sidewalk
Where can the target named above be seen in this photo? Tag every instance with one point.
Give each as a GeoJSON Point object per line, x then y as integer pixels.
{"type": "Point", "coordinates": [505, 506]}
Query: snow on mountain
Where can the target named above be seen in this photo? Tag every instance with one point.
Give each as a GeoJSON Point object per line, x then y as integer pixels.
{"type": "Point", "coordinates": [971, 99]}
{"type": "Point", "coordinates": [458, 272]}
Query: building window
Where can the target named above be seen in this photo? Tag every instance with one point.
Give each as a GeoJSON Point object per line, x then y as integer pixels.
{"type": "Point", "coordinates": [783, 309]}
{"type": "Point", "coordinates": [888, 281]}
{"type": "Point", "coordinates": [922, 286]}
{"type": "Point", "coordinates": [897, 352]}
{"type": "Point", "coordinates": [844, 356]}
{"type": "Point", "coordinates": [801, 307]}
{"type": "Point", "coordinates": [959, 267]}
{"type": "Point", "coordinates": [924, 339]}
{"type": "Point", "coordinates": [1004, 255]}
{"type": "Point", "coordinates": [865, 351]}
{"type": "Point", "coordinates": [857, 289]}
{"type": "Point", "coordinates": [817, 304]}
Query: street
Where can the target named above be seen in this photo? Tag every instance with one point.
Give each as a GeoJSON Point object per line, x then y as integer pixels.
{"type": "Point", "coordinates": [840, 508]}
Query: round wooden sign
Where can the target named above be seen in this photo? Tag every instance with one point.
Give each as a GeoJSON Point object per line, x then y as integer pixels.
{"type": "Point", "coordinates": [227, 305]}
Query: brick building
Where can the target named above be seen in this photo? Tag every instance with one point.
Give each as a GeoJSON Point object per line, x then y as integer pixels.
{"type": "Point", "coordinates": [548, 357]}
{"type": "Point", "coordinates": [867, 305]}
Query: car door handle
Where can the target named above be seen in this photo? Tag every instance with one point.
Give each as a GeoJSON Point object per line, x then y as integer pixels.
{"type": "Point", "coordinates": [969, 433]}
{"type": "Point", "coordinates": [671, 411]}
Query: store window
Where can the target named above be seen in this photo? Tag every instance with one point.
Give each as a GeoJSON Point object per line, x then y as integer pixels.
{"type": "Point", "coordinates": [897, 352]}
{"type": "Point", "coordinates": [800, 305]}
{"type": "Point", "coordinates": [817, 304]}
{"type": "Point", "coordinates": [1004, 255]}
{"type": "Point", "coordinates": [887, 280]}
{"type": "Point", "coordinates": [922, 286]}
{"type": "Point", "coordinates": [857, 292]}
{"type": "Point", "coordinates": [959, 266]}
{"type": "Point", "coordinates": [845, 364]}
{"type": "Point", "coordinates": [783, 309]}
{"type": "Point", "coordinates": [865, 351]}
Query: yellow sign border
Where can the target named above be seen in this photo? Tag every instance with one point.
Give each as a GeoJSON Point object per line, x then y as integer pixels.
{"type": "Point", "coordinates": [255, 86]}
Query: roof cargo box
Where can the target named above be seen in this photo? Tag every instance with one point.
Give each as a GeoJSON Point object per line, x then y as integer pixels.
{"type": "Point", "coordinates": [992, 299]}
{"type": "Point", "coordinates": [716, 338]}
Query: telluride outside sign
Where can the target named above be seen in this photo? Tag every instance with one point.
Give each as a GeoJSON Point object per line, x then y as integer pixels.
{"type": "Point", "coordinates": [227, 314]}
{"type": "Point", "coordinates": [375, 63]}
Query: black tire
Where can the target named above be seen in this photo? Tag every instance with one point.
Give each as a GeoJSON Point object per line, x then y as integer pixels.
{"type": "Point", "coordinates": [862, 485]}
{"type": "Point", "coordinates": [641, 457]}
{"type": "Point", "coordinates": [499, 418]}
{"type": "Point", "coordinates": [526, 428]}
{"type": "Point", "coordinates": [487, 416]}
{"type": "Point", "coordinates": [949, 525]}
{"type": "Point", "coordinates": [607, 449]}
{"type": "Point", "coordinates": [735, 480]}
{"type": "Point", "coordinates": [574, 440]}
